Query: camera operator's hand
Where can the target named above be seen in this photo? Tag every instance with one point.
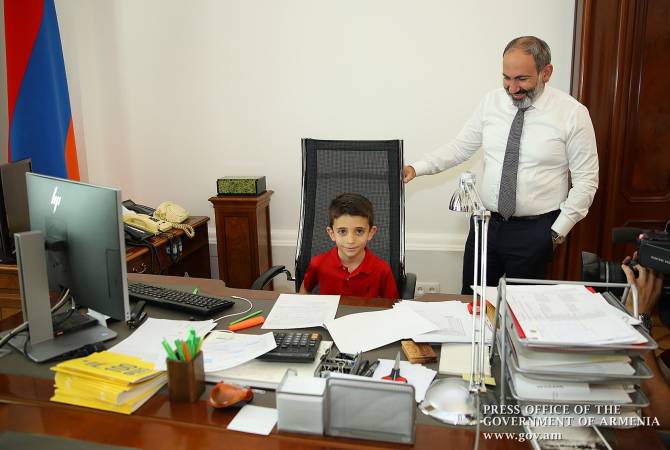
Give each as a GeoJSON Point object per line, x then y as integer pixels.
{"type": "Point", "coordinates": [649, 284]}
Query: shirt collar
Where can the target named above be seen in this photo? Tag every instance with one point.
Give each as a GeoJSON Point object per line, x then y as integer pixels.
{"type": "Point", "coordinates": [365, 266]}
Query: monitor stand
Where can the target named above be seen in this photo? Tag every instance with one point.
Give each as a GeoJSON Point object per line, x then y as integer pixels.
{"type": "Point", "coordinates": [40, 344]}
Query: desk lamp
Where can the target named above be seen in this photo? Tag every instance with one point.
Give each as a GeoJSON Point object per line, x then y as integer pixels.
{"type": "Point", "coordinates": [454, 400]}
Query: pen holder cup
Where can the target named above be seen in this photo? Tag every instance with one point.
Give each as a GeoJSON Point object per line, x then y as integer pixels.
{"type": "Point", "coordinates": [186, 379]}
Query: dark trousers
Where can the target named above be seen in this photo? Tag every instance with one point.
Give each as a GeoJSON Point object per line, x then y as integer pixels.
{"type": "Point", "coordinates": [518, 248]}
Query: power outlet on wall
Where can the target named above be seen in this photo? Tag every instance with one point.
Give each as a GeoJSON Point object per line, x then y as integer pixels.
{"type": "Point", "coordinates": [426, 287]}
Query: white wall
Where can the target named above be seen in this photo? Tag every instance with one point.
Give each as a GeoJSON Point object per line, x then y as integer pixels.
{"type": "Point", "coordinates": [167, 95]}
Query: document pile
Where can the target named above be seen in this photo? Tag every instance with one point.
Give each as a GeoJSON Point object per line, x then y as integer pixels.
{"type": "Point", "coordinates": [108, 381]}
{"type": "Point", "coordinates": [564, 344]}
{"type": "Point", "coordinates": [453, 320]}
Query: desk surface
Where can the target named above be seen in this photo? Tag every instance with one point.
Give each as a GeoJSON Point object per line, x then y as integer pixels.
{"type": "Point", "coordinates": [25, 389]}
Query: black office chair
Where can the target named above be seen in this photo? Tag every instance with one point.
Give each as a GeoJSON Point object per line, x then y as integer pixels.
{"type": "Point", "coordinates": [369, 168]}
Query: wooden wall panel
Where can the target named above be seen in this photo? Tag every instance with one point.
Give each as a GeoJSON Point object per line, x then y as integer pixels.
{"type": "Point", "coordinates": [619, 65]}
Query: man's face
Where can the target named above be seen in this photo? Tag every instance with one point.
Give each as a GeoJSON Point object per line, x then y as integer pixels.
{"type": "Point", "coordinates": [520, 77]}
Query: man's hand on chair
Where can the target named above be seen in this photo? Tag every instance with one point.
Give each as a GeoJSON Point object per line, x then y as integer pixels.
{"type": "Point", "coordinates": [408, 174]}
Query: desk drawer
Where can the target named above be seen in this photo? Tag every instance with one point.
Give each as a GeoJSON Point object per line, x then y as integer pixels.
{"type": "Point", "coordinates": [140, 262]}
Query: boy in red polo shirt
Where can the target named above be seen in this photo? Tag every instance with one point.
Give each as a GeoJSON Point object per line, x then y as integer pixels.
{"type": "Point", "coordinates": [350, 268]}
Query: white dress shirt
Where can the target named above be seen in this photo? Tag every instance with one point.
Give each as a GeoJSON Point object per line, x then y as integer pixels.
{"type": "Point", "coordinates": [557, 137]}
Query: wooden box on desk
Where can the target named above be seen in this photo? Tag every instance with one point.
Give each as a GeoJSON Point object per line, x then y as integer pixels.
{"type": "Point", "coordinates": [243, 242]}
{"type": "Point", "coordinates": [194, 258]}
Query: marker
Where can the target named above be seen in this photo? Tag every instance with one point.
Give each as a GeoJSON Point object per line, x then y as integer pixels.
{"type": "Point", "coordinates": [169, 351]}
{"type": "Point", "coordinates": [247, 323]}
{"type": "Point", "coordinates": [248, 316]}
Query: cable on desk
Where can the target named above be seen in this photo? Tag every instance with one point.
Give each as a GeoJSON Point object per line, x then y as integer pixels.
{"type": "Point", "coordinates": [24, 325]}
{"type": "Point", "coordinates": [251, 305]}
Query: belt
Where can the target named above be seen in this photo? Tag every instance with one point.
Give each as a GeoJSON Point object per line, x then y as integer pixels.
{"type": "Point", "coordinates": [497, 216]}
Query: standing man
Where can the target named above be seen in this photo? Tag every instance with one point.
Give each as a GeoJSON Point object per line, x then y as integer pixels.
{"type": "Point", "coordinates": [533, 137]}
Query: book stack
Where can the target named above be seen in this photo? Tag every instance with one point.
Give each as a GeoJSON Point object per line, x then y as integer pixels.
{"type": "Point", "coordinates": [108, 381]}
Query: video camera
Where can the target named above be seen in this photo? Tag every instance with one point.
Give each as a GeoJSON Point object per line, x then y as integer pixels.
{"type": "Point", "coordinates": [653, 252]}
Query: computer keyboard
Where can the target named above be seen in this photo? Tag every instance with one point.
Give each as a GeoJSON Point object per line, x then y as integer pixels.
{"type": "Point", "coordinates": [174, 299]}
{"type": "Point", "coordinates": [294, 347]}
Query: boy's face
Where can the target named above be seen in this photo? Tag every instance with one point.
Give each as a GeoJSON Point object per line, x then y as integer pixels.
{"type": "Point", "coordinates": [351, 234]}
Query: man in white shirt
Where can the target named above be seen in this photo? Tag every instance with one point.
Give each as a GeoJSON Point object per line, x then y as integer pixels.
{"type": "Point", "coordinates": [533, 136]}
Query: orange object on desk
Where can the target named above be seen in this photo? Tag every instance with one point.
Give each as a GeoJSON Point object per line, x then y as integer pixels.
{"type": "Point", "coordinates": [247, 323]}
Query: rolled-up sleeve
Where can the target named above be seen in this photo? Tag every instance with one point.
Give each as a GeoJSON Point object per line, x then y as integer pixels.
{"type": "Point", "coordinates": [582, 157]}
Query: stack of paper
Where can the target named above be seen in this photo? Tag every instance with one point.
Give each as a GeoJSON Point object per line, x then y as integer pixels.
{"type": "Point", "coordinates": [572, 346]}
{"type": "Point", "coordinates": [453, 321]}
{"type": "Point", "coordinates": [539, 390]}
{"type": "Point", "coordinates": [573, 362]}
{"type": "Point", "coordinates": [146, 342]}
{"type": "Point", "coordinates": [569, 315]}
{"type": "Point", "coordinates": [107, 381]}
{"type": "Point", "coordinates": [369, 330]}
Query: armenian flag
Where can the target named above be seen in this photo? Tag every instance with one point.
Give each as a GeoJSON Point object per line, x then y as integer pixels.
{"type": "Point", "coordinates": [40, 119]}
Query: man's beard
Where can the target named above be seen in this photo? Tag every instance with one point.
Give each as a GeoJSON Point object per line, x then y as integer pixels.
{"type": "Point", "coordinates": [530, 97]}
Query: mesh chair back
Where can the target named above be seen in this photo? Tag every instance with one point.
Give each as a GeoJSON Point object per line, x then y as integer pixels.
{"type": "Point", "coordinates": [369, 168]}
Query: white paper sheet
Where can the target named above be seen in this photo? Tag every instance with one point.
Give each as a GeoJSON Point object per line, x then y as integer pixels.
{"type": "Point", "coordinates": [568, 314]}
{"type": "Point", "coordinates": [369, 330]}
{"type": "Point", "coordinates": [417, 375]}
{"type": "Point", "coordinates": [452, 318]}
{"type": "Point", "coordinates": [530, 389]}
{"type": "Point", "coordinates": [146, 341]}
{"type": "Point", "coordinates": [301, 311]}
{"type": "Point", "coordinates": [254, 419]}
{"type": "Point", "coordinates": [222, 350]}
{"type": "Point", "coordinates": [266, 374]}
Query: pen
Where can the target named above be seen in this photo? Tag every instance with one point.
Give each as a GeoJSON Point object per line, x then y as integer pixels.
{"type": "Point", "coordinates": [248, 316]}
{"type": "Point", "coordinates": [363, 368]}
{"type": "Point", "coordinates": [371, 369]}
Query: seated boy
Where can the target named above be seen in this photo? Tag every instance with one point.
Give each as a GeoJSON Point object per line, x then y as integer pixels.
{"type": "Point", "coordinates": [350, 268]}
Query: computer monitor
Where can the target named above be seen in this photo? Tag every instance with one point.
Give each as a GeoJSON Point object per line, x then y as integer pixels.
{"type": "Point", "coordinates": [85, 246]}
{"type": "Point", "coordinates": [76, 242]}
{"type": "Point", "coordinates": [13, 206]}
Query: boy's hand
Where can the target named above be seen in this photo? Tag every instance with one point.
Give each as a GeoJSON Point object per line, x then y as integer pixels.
{"type": "Point", "coordinates": [649, 284]}
{"type": "Point", "coordinates": [408, 174]}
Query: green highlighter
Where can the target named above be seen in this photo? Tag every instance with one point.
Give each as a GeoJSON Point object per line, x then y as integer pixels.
{"type": "Point", "coordinates": [248, 316]}
{"type": "Point", "coordinates": [168, 350]}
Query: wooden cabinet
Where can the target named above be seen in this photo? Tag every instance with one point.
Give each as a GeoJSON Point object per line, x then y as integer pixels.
{"type": "Point", "coordinates": [242, 237]}
{"type": "Point", "coordinates": [193, 259]}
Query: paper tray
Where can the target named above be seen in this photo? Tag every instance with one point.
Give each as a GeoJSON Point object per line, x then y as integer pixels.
{"type": "Point", "coordinates": [642, 372]}
{"type": "Point", "coordinates": [628, 349]}
{"type": "Point", "coordinates": [639, 400]}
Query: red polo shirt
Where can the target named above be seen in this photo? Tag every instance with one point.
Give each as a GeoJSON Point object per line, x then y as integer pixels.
{"type": "Point", "coordinates": [371, 279]}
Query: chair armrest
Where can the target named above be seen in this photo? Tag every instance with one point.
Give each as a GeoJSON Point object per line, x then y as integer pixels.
{"type": "Point", "coordinates": [408, 286]}
{"type": "Point", "coordinates": [268, 275]}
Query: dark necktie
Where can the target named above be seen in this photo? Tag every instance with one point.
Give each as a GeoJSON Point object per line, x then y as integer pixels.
{"type": "Point", "coordinates": [507, 195]}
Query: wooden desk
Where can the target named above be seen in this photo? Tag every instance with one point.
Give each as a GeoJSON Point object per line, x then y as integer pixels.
{"type": "Point", "coordinates": [194, 258]}
{"type": "Point", "coordinates": [25, 389]}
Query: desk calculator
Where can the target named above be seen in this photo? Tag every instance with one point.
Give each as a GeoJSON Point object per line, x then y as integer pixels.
{"type": "Point", "coordinates": [294, 347]}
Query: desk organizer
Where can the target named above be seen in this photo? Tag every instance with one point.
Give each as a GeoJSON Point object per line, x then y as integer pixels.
{"type": "Point", "coordinates": [300, 404]}
{"type": "Point", "coordinates": [369, 409]}
{"type": "Point", "coordinates": [186, 379]}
